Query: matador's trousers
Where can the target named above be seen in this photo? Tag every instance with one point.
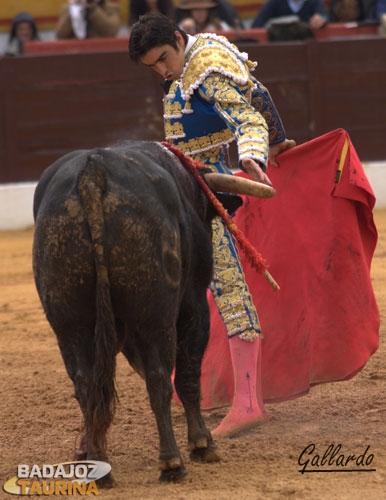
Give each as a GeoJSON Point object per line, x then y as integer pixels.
{"type": "Point", "coordinates": [229, 288]}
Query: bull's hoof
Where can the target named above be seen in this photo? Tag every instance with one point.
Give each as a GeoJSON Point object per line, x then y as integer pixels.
{"type": "Point", "coordinates": [80, 455]}
{"type": "Point", "coordinates": [173, 475]}
{"type": "Point", "coordinates": [106, 481]}
{"type": "Point", "coordinates": [205, 455]}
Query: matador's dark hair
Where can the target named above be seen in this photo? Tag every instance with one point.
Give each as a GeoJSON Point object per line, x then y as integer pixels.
{"type": "Point", "coordinates": [152, 30]}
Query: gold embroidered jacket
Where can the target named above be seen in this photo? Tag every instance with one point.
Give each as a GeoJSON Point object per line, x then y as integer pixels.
{"type": "Point", "coordinates": [217, 100]}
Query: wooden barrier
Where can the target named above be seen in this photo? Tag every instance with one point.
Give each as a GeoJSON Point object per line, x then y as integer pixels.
{"type": "Point", "coordinates": [52, 104]}
{"type": "Point", "coordinates": [74, 46]}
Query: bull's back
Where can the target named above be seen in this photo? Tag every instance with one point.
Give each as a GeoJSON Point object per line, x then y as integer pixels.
{"type": "Point", "coordinates": [137, 224]}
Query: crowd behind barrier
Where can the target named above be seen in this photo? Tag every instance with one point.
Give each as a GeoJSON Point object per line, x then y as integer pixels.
{"type": "Point", "coordinates": [238, 14]}
{"type": "Point", "coordinates": [259, 35]}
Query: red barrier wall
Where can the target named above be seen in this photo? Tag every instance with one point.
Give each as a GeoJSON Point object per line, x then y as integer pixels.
{"type": "Point", "coordinates": [52, 104]}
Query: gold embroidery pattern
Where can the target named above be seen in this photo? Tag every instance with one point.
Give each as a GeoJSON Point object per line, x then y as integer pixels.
{"type": "Point", "coordinates": [211, 159]}
{"type": "Point", "coordinates": [224, 59]}
{"type": "Point", "coordinates": [249, 128]}
{"type": "Point", "coordinates": [199, 144]}
{"type": "Point", "coordinates": [187, 108]}
{"type": "Point", "coordinates": [174, 131]}
{"type": "Point", "coordinates": [229, 288]}
{"type": "Point", "coordinates": [263, 103]}
{"type": "Point", "coordinates": [173, 108]}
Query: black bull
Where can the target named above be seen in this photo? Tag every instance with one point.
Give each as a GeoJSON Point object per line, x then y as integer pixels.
{"type": "Point", "coordinates": [122, 258]}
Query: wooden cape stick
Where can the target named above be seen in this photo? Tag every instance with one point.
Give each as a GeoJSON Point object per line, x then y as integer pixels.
{"type": "Point", "coordinates": [238, 185]}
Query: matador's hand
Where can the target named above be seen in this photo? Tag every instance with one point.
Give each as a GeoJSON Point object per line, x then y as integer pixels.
{"type": "Point", "coordinates": [253, 169]}
{"type": "Point", "coordinates": [276, 149]}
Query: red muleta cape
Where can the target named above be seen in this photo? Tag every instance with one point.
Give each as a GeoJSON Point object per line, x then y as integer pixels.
{"type": "Point", "coordinates": [319, 237]}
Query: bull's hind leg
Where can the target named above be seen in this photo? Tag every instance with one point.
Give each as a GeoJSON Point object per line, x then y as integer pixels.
{"type": "Point", "coordinates": [77, 355]}
{"type": "Point", "coordinates": [192, 341]}
{"type": "Point", "coordinates": [158, 365]}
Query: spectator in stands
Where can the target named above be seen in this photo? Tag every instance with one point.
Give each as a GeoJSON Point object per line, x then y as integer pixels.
{"type": "Point", "coordinates": [200, 18]}
{"type": "Point", "coordinates": [380, 8]}
{"type": "Point", "coordinates": [312, 12]}
{"type": "Point", "coordinates": [23, 29]}
{"type": "Point", "coordinates": [224, 11]}
{"type": "Point", "coordinates": [346, 11]}
{"type": "Point", "coordinates": [140, 7]}
{"type": "Point", "coordinates": [380, 13]}
{"type": "Point", "coordinates": [88, 19]}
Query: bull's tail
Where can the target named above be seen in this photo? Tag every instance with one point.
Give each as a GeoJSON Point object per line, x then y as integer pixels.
{"type": "Point", "coordinates": [101, 394]}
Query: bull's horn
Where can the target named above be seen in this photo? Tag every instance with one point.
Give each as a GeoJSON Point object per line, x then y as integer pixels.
{"type": "Point", "coordinates": [238, 185]}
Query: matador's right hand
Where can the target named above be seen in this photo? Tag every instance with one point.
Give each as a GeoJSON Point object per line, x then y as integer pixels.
{"type": "Point", "coordinates": [253, 169]}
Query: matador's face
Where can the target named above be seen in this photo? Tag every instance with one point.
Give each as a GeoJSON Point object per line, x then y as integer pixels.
{"type": "Point", "coordinates": [166, 60]}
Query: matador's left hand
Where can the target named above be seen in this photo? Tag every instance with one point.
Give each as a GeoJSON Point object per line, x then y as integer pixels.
{"type": "Point", "coordinates": [276, 149]}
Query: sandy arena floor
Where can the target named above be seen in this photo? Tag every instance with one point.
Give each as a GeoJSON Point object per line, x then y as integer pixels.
{"type": "Point", "coordinates": [40, 419]}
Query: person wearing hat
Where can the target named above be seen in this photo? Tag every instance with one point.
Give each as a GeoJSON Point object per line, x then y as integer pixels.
{"type": "Point", "coordinates": [199, 17]}
{"type": "Point", "coordinates": [211, 99]}
{"type": "Point", "coordinates": [224, 11]}
{"type": "Point", "coordinates": [23, 30]}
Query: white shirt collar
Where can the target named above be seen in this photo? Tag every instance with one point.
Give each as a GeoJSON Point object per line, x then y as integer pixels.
{"type": "Point", "coordinates": [191, 40]}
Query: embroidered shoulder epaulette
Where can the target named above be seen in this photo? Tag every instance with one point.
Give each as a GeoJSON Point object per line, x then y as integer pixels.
{"type": "Point", "coordinates": [214, 54]}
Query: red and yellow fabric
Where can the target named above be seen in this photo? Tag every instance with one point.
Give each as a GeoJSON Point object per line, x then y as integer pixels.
{"type": "Point", "coordinates": [319, 237]}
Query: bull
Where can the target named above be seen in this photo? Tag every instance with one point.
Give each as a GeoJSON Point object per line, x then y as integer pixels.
{"type": "Point", "coordinates": [122, 258]}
